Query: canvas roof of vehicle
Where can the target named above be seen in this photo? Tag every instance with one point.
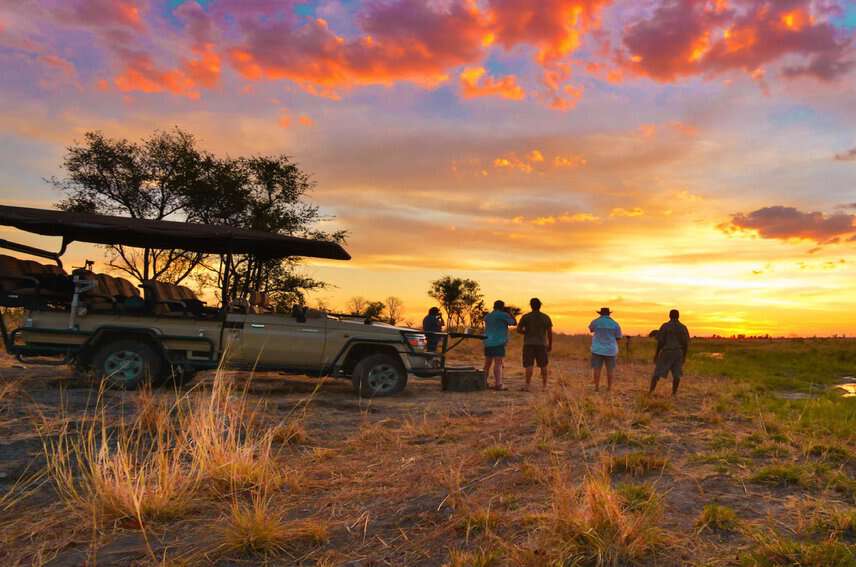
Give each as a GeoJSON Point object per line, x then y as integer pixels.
{"type": "Point", "coordinates": [144, 233]}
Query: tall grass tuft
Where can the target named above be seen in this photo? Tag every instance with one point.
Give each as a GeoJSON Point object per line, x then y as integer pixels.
{"type": "Point", "coordinates": [118, 473]}
{"type": "Point", "coordinates": [591, 525]}
{"type": "Point", "coordinates": [158, 465]}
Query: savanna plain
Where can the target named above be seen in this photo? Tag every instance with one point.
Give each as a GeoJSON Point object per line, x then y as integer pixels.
{"type": "Point", "coordinates": [752, 464]}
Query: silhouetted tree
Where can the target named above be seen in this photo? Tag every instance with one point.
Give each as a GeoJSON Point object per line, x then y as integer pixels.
{"type": "Point", "coordinates": [356, 305]}
{"type": "Point", "coordinates": [460, 298]}
{"type": "Point", "coordinates": [166, 176]}
{"type": "Point", "coordinates": [394, 307]}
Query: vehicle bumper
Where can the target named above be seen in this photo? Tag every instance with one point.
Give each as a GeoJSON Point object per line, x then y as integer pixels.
{"type": "Point", "coordinates": [424, 364]}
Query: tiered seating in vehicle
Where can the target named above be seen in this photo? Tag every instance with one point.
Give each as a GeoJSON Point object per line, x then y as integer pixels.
{"type": "Point", "coordinates": [25, 283]}
{"type": "Point", "coordinates": [110, 294]}
{"type": "Point", "coordinates": [166, 299]}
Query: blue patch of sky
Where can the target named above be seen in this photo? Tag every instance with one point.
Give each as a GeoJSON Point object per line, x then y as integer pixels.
{"type": "Point", "coordinates": [848, 19]}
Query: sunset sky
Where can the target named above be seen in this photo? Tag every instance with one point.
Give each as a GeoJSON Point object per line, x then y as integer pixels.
{"type": "Point", "coordinates": [640, 154]}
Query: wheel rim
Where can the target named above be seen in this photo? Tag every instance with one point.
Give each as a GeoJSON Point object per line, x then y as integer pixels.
{"type": "Point", "coordinates": [383, 378]}
{"type": "Point", "coordinates": [124, 366]}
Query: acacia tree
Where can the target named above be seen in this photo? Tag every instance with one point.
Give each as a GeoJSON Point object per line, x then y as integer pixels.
{"type": "Point", "coordinates": [146, 180]}
{"type": "Point", "coordinates": [460, 298]}
{"type": "Point", "coordinates": [166, 176]}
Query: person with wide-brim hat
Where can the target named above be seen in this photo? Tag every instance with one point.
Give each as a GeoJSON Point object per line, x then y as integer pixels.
{"type": "Point", "coordinates": [604, 346]}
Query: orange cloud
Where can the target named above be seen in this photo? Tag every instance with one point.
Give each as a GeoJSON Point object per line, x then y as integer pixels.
{"type": "Point", "coordinates": [555, 28]}
{"type": "Point", "coordinates": [141, 74]}
{"type": "Point", "coordinates": [306, 120]}
{"type": "Point", "coordinates": [476, 83]}
{"type": "Point", "coordinates": [570, 162]}
{"type": "Point", "coordinates": [630, 213]}
{"type": "Point", "coordinates": [284, 119]}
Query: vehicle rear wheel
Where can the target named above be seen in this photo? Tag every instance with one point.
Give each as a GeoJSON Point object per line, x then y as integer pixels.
{"type": "Point", "coordinates": [379, 375]}
{"type": "Point", "coordinates": [127, 365]}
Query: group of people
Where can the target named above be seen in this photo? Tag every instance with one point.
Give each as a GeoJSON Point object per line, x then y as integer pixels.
{"type": "Point", "coordinates": [537, 330]}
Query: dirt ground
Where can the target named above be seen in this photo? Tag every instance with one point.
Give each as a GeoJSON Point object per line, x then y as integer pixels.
{"type": "Point", "coordinates": [426, 478]}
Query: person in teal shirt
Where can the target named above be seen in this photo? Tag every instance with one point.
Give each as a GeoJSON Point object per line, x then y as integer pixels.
{"type": "Point", "coordinates": [604, 346]}
{"type": "Point", "coordinates": [496, 325]}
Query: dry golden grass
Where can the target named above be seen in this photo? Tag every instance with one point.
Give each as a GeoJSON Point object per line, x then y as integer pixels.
{"type": "Point", "coordinates": [107, 473]}
{"type": "Point", "coordinates": [637, 463]}
{"type": "Point", "coordinates": [219, 474]}
{"type": "Point", "coordinates": [588, 524]}
{"type": "Point", "coordinates": [292, 432]}
{"type": "Point", "coordinates": [259, 527]}
{"type": "Point", "coordinates": [482, 557]}
{"type": "Point", "coordinates": [157, 467]}
{"type": "Point", "coordinates": [9, 389]}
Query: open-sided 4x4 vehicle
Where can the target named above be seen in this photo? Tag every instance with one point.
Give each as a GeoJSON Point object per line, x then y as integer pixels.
{"type": "Point", "coordinates": [128, 335]}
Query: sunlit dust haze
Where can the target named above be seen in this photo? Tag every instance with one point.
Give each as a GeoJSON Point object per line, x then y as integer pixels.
{"type": "Point", "coordinates": [698, 154]}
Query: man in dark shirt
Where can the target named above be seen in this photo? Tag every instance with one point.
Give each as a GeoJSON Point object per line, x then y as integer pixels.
{"type": "Point", "coordinates": [537, 331]}
{"type": "Point", "coordinates": [673, 341]}
{"type": "Point", "coordinates": [432, 323]}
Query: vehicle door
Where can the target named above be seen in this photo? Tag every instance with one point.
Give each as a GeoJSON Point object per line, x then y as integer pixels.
{"type": "Point", "coordinates": [279, 340]}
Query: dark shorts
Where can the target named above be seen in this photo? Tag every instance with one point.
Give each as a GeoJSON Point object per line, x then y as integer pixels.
{"type": "Point", "coordinates": [535, 354]}
{"type": "Point", "coordinates": [494, 351]}
{"type": "Point", "coordinates": [599, 360]}
{"type": "Point", "coordinates": [669, 361]}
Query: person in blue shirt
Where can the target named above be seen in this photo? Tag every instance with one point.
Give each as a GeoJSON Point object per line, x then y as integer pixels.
{"type": "Point", "coordinates": [604, 346]}
{"type": "Point", "coordinates": [496, 325]}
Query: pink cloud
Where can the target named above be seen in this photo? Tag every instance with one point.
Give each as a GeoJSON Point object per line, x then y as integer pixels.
{"type": "Point", "coordinates": [784, 223]}
{"type": "Point", "coordinates": [682, 39]}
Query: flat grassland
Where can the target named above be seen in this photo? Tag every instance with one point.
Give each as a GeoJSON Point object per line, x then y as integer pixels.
{"type": "Point", "coordinates": [753, 464]}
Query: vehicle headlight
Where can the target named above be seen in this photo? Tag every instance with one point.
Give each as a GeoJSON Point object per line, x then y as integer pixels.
{"type": "Point", "coordinates": [416, 340]}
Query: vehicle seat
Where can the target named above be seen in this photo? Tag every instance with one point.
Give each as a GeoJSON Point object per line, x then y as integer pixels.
{"type": "Point", "coordinates": [174, 300]}
{"type": "Point", "coordinates": [259, 303]}
{"type": "Point", "coordinates": [25, 282]}
{"type": "Point", "coordinates": [110, 293]}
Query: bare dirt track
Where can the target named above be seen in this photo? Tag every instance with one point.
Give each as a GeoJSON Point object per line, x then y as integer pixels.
{"type": "Point", "coordinates": [433, 478]}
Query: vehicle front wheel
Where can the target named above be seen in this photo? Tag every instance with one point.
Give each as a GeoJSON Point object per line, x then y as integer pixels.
{"type": "Point", "coordinates": [127, 365]}
{"type": "Point", "coordinates": [379, 375]}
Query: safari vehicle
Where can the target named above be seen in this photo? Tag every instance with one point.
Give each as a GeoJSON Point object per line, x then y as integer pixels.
{"type": "Point", "coordinates": [128, 335]}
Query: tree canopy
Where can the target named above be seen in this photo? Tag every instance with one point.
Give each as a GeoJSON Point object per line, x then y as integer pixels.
{"type": "Point", "coordinates": [167, 176]}
{"type": "Point", "coordinates": [461, 299]}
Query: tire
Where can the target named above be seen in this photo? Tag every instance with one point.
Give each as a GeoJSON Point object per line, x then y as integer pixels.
{"type": "Point", "coordinates": [379, 375]}
{"type": "Point", "coordinates": [128, 364]}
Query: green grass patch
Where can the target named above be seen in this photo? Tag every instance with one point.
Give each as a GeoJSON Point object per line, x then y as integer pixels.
{"type": "Point", "coordinates": [784, 475]}
{"type": "Point", "coordinates": [717, 518]}
{"type": "Point", "coordinates": [781, 552]}
{"type": "Point", "coordinates": [638, 497]}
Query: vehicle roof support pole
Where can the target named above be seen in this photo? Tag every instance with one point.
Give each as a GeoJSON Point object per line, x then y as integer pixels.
{"type": "Point", "coordinates": [227, 264]}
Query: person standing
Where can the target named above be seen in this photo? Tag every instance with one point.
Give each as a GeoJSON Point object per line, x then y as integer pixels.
{"type": "Point", "coordinates": [673, 342]}
{"type": "Point", "coordinates": [496, 325]}
{"type": "Point", "coordinates": [432, 323]}
{"type": "Point", "coordinates": [604, 347]}
{"type": "Point", "coordinates": [537, 330]}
